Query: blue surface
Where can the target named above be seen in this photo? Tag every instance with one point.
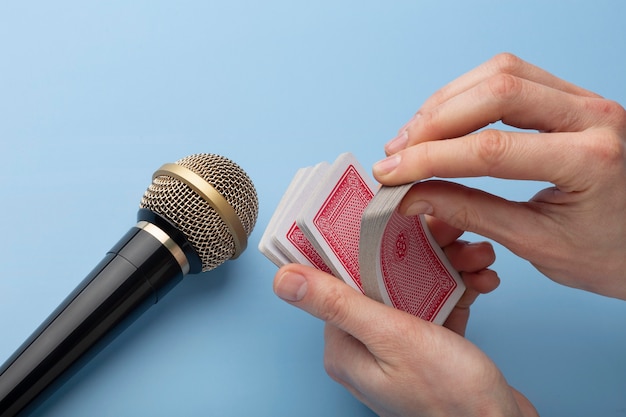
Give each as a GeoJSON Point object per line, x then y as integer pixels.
{"type": "Point", "coordinates": [94, 96]}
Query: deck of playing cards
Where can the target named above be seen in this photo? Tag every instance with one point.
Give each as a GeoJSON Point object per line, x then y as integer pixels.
{"type": "Point", "coordinates": [401, 264]}
{"type": "Point", "coordinates": [334, 217]}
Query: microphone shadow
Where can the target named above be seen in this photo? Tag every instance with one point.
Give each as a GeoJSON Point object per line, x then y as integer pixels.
{"type": "Point", "coordinates": [193, 291]}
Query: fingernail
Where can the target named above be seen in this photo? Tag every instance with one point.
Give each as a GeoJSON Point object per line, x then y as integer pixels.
{"type": "Point", "coordinates": [419, 207]}
{"type": "Point", "coordinates": [291, 287]}
{"type": "Point", "coordinates": [473, 244]}
{"type": "Point", "coordinates": [386, 165]}
{"type": "Point", "coordinates": [398, 143]}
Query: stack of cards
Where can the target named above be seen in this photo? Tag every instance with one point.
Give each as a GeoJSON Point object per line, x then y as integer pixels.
{"type": "Point", "coordinates": [322, 221]}
{"type": "Point", "coordinates": [317, 221]}
{"type": "Point", "coordinates": [401, 264]}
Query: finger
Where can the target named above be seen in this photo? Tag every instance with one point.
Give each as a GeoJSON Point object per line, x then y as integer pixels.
{"type": "Point", "coordinates": [463, 256]}
{"type": "Point", "coordinates": [443, 233]}
{"type": "Point", "coordinates": [470, 257]}
{"type": "Point", "coordinates": [494, 75]}
{"type": "Point", "coordinates": [518, 226]}
{"type": "Point", "coordinates": [514, 101]}
{"type": "Point", "coordinates": [459, 316]}
{"type": "Point", "coordinates": [495, 153]}
{"type": "Point", "coordinates": [480, 282]}
{"type": "Point", "coordinates": [334, 302]}
{"type": "Point", "coordinates": [477, 283]}
{"type": "Point", "coordinates": [504, 63]}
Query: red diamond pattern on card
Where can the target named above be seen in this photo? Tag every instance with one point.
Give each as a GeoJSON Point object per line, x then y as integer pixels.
{"type": "Point", "coordinates": [414, 276]}
{"type": "Point", "coordinates": [297, 238]}
{"type": "Point", "coordinates": [336, 219]}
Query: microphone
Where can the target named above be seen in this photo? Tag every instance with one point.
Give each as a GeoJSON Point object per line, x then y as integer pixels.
{"type": "Point", "coordinates": [196, 214]}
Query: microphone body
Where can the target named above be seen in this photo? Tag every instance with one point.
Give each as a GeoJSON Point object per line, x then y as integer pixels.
{"type": "Point", "coordinates": [196, 214]}
{"type": "Point", "coordinates": [139, 270]}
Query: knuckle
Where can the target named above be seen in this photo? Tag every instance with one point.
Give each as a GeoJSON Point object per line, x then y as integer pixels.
{"type": "Point", "coordinates": [608, 143]}
{"type": "Point", "coordinates": [608, 149]}
{"type": "Point", "coordinates": [610, 112]}
{"type": "Point", "coordinates": [616, 114]}
{"type": "Point", "coordinates": [491, 146]}
{"type": "Point", "coordinates": [428, 120]}
{"type": "Point", "coordinates": [334, 307]}
{"type": "Point", "coordinates": [507, 63]}
{"type": "Point", "coordinates": [465, 218]}
{"type": "Point", "coordinates": [505, 87]}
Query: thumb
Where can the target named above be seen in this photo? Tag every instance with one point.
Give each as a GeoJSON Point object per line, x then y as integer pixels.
{"type": "Point", "coordinates": [331, 300]}
{"type": "Point", "coordinates": [512, 224]}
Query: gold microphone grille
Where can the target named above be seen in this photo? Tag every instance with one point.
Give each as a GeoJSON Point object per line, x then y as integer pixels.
{"type": "Point", "coordinates": [205, 229]}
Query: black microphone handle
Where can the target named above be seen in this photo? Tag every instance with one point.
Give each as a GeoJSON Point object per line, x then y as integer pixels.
{"type": "Point", "coordinates": [134, 275]}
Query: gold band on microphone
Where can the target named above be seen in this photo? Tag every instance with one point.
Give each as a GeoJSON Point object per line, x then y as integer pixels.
{"type": "Point", "coordinates": [211, 196]}
{"type": "Point", "coordinates": [168, 242]}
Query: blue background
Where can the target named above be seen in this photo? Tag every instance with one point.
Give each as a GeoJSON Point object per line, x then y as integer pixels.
{"type": "Point", "coordinates": [94, 96]}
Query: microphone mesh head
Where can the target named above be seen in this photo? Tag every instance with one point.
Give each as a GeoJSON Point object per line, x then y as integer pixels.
{"type": "Point", "coordinates": [204, 228]}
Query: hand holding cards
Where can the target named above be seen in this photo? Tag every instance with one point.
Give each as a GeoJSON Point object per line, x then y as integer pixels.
{"type": "Point", "coordinates": [333, 218]}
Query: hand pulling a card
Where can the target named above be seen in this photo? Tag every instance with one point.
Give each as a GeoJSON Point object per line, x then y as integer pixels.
{"type": "Point", "coordinates": [349, 227]}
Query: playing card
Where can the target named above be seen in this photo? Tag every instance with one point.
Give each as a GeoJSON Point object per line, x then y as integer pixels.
{"type": "Point", "coordinates": [287, 236]}
{"type": "Point", "coordinates": [267, 245]}
{"type": "Point", "coordinates": [401, 264]}
{"type": "Point", "coordinates": [331, 218]}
